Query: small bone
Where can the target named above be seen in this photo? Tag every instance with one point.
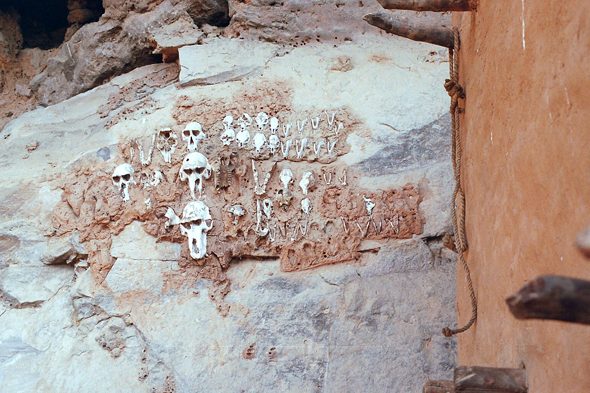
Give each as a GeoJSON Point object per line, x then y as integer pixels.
{"type": "Point", "coordinates": [273, 143]}
{"type": "Point", "coordinates": [303, 146]}
{"type": "Point", "coordinates": [338, 129]}
{"type": "Point", "coordinates": [294, 233]}
{"type": "Point", "coordinates": [303, 229]}
{"type": "Point", "coordinates": [237, 211]}
{"type": "Point", "coordinates": [307, 182]}
{"type": "Point", "coordinates": [363, 234]}
{"type": "Point", "coordinates": [285, 148]}
{"type": "Point", "coordinates": [342, 180]}
{"type": "Point", "coordinates": [259, 142]}
{"type": "Point", "coordinates": [301, 125]}
{"type": "Point", "coordinates": [227, 122]}
{"type": "Point", "coordinates": [286, 129]}
{"type": "Point", "coordinates": [315, 124]}
{"type": "Point", "coordinates": [173, 219]}
{"type": "Point", "coordinates": [331, 120]}
{"type": "Point", "coordinates": [317, 147]}
{"type": "Point", "coordinates": [148, 160]}
{"type": "Point", "coordinates": [286, 177]}
{"type": "Point", "coordinates": [344, 224]}
{"type": "Point", "coordinates": [243, 138]}
{"type": "Point", "coordinates": [330, 147]}
{"type": "Point", "coordinates": [328, 180]}
{"type": "Point", "coordinates": [157, 179]}
{"type": "Point", "coordinates": [267, 208]}
{"type": "Point", "coordinates": [260, 232]}
{"type": "Point", "coordinates": [148, 203]}
{"type": "Point", "coordinates": [244, 121]}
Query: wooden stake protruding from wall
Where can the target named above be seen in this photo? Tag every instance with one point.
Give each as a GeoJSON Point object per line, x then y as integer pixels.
{"type": "Point", "coordinates": [439, 386]}
{"type": "Point", "coordinates": [435, 35]}
{"type": "Point", "coordinates": [489, 379]}
{"type": "Point", "coordinates": [553, 297]}
{"type": "Point", "coordinates": [429, 5]}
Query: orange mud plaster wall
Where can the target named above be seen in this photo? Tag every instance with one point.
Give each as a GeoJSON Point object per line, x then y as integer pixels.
{"type": "Point", "coordinates": [525, 66]}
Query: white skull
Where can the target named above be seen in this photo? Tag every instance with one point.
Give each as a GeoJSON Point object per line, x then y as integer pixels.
{"type": "Point", "coordinates": [195, 167]}
{"type": "Point", "coordinates": [284, 197]}
{"type": "Point", "coordinates": [167, 142]}
{"type": "Point", "coordinates": [267, 208]}
{"type": "Point", "coordinates": [306, 206]}
{"type": "Point", "coordinates": [122, 178]}
{"type": "Point", "coordinates": [259, 142]}
{"type": "Point", "coordinates": [228, 136]}
{"type": "Point", "coordinates": [196, 222]}
{"type": "Point", "coordinates": [227, 122]}
{"type": "Point", "coordinates": [307, 182]}
{"type": "Point", "coordinates": [274, 125]}
{"type": "Point", "coordinates": [245, 121]}
{"type": "Point", "coordinates": [192, 134]}
{"type": "Point", "coordinates": [286, 177]}
{"type": "Point", "coordinates": [273, 143]}
{"type": "Point", "coordinates": [236, 211]}
{"type": "Point", "coordinates": [261, 120]}
{"type": "Point", "coordinates": [243, 138]}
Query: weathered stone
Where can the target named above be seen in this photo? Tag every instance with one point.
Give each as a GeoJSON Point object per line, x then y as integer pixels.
{"type": "Point", "coordinates": [32, 285]}
{"type": "Point", "coordinates": [62, 251]}
{"type": "Point", "coordinates": [223, 60]}
{"type": "Point", "coordinates": [176, 35]}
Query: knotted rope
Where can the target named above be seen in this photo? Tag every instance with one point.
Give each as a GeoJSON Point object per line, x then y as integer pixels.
{"type": "Point", "coordinates": [458, 199]}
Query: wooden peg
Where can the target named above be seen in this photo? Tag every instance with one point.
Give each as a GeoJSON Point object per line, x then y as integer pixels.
{"type": "Point", "coordinates": [429, 5]}
{"type": "Point", "coordinates": [553, 297]}
{"type": "Point", "coordinates": [583, 242]}
{"type": "Point", "coordinates": [439, 386]}
{"type": "Point", "coordinates": [433, 34]}
{"type": "Point", "coordinates": [490, 380]}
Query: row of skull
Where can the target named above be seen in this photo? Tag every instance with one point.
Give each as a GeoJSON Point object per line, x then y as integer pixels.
{"type": "Point", "coordinates": [195, 169]}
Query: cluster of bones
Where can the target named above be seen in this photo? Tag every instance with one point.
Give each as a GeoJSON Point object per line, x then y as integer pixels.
{"type": "Point", "coordinates": [196, 219]}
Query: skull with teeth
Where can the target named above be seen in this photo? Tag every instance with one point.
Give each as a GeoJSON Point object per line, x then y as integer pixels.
{"type": "Point", "coordinates": [284, 197]}
{"type": "Point", "coordinates": [273, 143]}
{"type": "Point", "coordinates": [167, 142]}
{"type": "Point", "coordinates": [227, 122]}
{"type": "Point", "coordinates": [196, 222]}
{"type": "Point", "coordinates": [243, 138]}
{"type": "Point", "coordinates": [192, 134]}
{"type": "Point", "coordinates": [123, 178]}
{"type": "Point", "coordinates": [195, 167]}
{"type": "Point", "coordinates": [274, 125]}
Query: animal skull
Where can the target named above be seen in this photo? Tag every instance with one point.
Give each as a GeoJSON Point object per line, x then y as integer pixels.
{"type": "Point", "coordinates": [273, 143]}
{"type": "Point", "coordinates": [192, 134]}
{"type": "Point", "coordinates": [286, 177]}
{"type": "Point", "coordinates": [261, 120]}
{"type": "Point", "coordinates": [307, 182]}
{"type": "Point", "coordinates": [236, 211]}
{"type": "Point", "coordinates": [245, 121]}
{"type": "Point", "coordinates": [284, 197]}
{"type": "Point", "coordinates": [259, 142]}
{"type": "Point", "coordinates": [196, 222]}
{"type": "Point", "coordinates": [228, 136]}
{"type": "Point", "coordinates": [195, 167]}
{"type": "Point", "coordinates": [167, 142]}
{"type": "Point", "coordinates": [227, 122]}
{"type": "Point", "coordinates": [122, 178]}
{"type": "Point", "coordinates": [243, 138]}
{"type": "Point", "coordinates": [306, 206]}
{"type": "Point", "coordinates": [274, 125]}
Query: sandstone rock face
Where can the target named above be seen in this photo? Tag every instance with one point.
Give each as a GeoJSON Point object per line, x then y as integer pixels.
{"type": "Point", "coordinates": [117, 303]}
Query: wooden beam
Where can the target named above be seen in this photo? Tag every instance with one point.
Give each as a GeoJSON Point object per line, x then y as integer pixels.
{"type": "Point", "coordinates": [490, 380]}
{"type": "Point", "coordinates": [553, 297]}
{"type": "Point", "coordinates": [433, 34]}
{"type": "Point", "coordinates": [429, 5]}
{"type": "Point", "coordinates": [439, 386]}
{"type": "Point", "coordinates": [583, 242]}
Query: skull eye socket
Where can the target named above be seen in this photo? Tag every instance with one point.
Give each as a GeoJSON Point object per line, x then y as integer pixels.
{"type": "Point", "coordinates": [166, 135]}
{"type": "Point", "coordinates": [198, 222]}
{"type": "Point", "coordinates": [187, 133]}
{"type": "Point", "coordinates": [208, 222]}
{"type": "Point", "coordinates": [200, 170]}
{"type": "Point", "coordinates": [126, 177]}
{"type": "Point", "coordinates": [186, 225]}
{"type": "Point", "coordinates": [188, 171]}
{"type": "Point", "coordinates": [116, 179]}
{"type": "Point", "coordinates": [196, 132]}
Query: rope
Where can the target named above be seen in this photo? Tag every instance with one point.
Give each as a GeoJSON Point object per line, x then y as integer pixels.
{"type": "Point", "coordinates": [458, 199]}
